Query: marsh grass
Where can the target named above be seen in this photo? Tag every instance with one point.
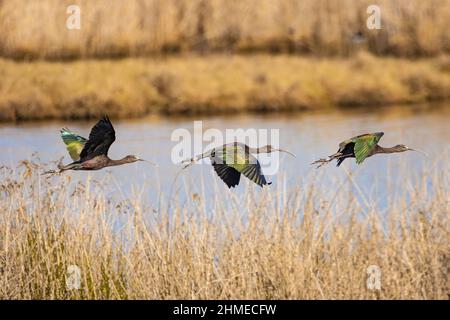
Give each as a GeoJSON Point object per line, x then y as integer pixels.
{"type": "Point", "coordinates": [214, 84]}
{"type": "Point", "coordinates": [37, 29]}
{"type": "Point", "coordinates": [136, 57]}
{"type": "Point", "coordinates": [308, 242]}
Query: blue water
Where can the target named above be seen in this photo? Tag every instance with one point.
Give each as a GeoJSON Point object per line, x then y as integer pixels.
{"type": "Point", "coordinates": [308, 135]}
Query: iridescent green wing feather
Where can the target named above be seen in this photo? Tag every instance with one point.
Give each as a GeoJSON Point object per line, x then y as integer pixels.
{"type": "Point", "coordinates": [242, 161]}
{"type": "Point", "coordinates": [74, 143]}
{"type": "Point", "coordinates": [235, 157]}
{"type": "Point", "coordinates": [364, 145]}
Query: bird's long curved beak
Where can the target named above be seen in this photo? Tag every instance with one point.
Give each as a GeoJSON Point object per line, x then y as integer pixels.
{"type": "Point", "coordinates": [281, 150]}
{"type": "Point", "coordinates": [420, 151]}
{"type": "Point", "coordinates": [152, 163]}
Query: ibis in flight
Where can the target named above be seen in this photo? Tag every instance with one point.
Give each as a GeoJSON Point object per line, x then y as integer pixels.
{"type": "Point", "coordinates": [233, 159]}
{"type": "Point", "coordinates": [92, 153]}
{"type": "Point", "coordinates": [360, 148]}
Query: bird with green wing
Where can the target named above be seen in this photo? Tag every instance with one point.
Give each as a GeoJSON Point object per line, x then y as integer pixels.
{"type": "Point", "coordinates": [92, 153]}
{"type": "Point", "coordinates": [360, 148]}
{"type": "Point", "coordinates": [233, 159]}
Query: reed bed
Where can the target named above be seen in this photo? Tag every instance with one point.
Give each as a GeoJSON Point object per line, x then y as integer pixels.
{"type": "Point", "coordinates": [37, 29]}
{"type": "Point", "coordinates": [214, 84]}
{"type": "Point", "coordinates": [309, 242]}
{"type": "Point", "coordinates": [218, 56]}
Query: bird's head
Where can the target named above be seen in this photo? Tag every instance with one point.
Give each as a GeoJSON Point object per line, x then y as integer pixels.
{"type": "Point", "coordinates": [403, 148]}
{"type": "Point", "coordinates": [266, 149]}
{"type": "Point", "coordinates": [132, 158]}
{"type": "Point", "coordinates": [269, 149]}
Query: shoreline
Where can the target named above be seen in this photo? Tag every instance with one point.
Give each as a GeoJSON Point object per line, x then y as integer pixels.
{"type": "Point", "coordinates": [388, 110]}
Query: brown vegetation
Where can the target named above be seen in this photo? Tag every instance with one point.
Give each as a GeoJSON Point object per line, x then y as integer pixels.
{"type": "Point", "coordinates": [311, 242]}
{"type": "Point", "coordinates": [213, 84]}
{"type": "Point", "coordinates": [37, 29]}
{"type": "Point", "coordinates": [225, 59]}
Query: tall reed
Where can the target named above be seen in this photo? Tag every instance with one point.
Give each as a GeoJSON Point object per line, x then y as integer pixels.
{"type": "Point", "coordinates": [37, 29]}
{"type": "Point", "coordinates": [309, 242]}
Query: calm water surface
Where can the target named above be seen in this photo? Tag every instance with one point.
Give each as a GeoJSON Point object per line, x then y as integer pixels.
{"type": "Point", "coordinates": [309, 135]}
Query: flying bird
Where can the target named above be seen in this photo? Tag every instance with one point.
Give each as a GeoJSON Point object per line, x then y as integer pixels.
{"type": "Point", "coordinates": [233, 159]}
{"type": "Point", "coordinates": [360, 148]}
{"type": "Point", "coordinates": [92, 153]}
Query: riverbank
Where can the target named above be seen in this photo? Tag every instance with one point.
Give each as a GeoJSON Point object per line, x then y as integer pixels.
{"type": "Point", "coordinates": [214, 84]}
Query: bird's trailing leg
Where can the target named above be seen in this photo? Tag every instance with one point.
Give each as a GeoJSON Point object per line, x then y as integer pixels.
{"type": "Point", "coordinates": [51, 172]}
{"type": "Point", "coordinates": [60, 165]}
{"type": "Point", "coordinates": [62, 168]}
{"type": "Point", "coordinates": [188, 162]}
{"type": "Point", "coordinates": [322, 162]}
{"type": "Point", "coordinates": [191, 161]}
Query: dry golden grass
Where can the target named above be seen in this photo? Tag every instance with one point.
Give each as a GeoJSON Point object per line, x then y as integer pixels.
{"type": "Point", "coordinates": [312, 242]}
{"type": "Point", "coordinates": [37, 29]}
{"type": "Point", "coordinates": [214, 84]}
{"type": "Point", "coordinates": [249, 79]}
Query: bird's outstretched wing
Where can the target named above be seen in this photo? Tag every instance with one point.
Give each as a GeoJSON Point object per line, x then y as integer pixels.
{"type": "Point", "coordinates": [74, 143]}
{"type": "Point", "coordinates": [254, 173]}
{"type": "Point", "coordinates": [228, 174]}
{"type": "Point", "coordinates": [239, 159]}
{"type": "Point", "coordinates": [364, 144]}
{"type": "Point", "coordinates": [100, 139]}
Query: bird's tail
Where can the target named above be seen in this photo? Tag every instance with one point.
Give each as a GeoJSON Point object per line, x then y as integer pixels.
{"type": "Point", "coordinates": [321, 162]}
{"type": "Point", "coordinates": [60, 167]}
{"type": "Point", "coordinates": [49, 172]}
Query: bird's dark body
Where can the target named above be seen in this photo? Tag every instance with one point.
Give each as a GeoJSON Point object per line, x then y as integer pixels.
{"type": "Point", "coordinates": [229, 175]}
{"type": "Point", "coordinates": [92, 153]}
{"type": "Point", "coordinates": [95, 163]}
{"type": "Point", "coordinates": [347, 147]}
{"type": "Point", "coordinates": [360, 147]}
{"type": "Point", "coordinates": [347, 152]}
{"type": "Point", "coordinates": [232, 160]}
